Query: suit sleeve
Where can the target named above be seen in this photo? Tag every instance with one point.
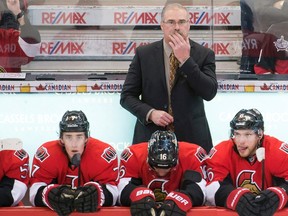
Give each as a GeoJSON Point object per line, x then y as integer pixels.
{"type": "Point", "coordinates": [132, 89]}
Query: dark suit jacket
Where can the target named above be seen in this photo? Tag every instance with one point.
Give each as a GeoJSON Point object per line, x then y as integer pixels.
{"type": "Point", "coordinates": [145, 88]}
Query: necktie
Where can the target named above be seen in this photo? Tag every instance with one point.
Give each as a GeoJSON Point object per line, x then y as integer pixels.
{"type": "Point", "coordinates": [174, 64]}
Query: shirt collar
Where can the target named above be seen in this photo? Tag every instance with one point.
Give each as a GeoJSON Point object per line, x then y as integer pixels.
{"type": "Point", "coordinates": [167, 48]}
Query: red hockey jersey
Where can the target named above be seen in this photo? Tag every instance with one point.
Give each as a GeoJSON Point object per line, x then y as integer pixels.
{"type": "Point", "coordinates": [99, 163]}
{"type": "Point", "coordinates": [14, 51]}
{"type": "Point", "coordinates": [224, 163]}
{"type": "Point", "coordinates": [133, 164]}
{"type": "Point", "coordinates": [14, 168]}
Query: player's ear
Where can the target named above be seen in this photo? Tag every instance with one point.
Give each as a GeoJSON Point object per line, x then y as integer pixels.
{"type": "Point", "coordinates": [61, 141]}
{"type": "Point", "coordinates": [260, 133]}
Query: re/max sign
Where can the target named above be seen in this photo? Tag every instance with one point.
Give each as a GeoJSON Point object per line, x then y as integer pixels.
{"type": "Point", "coordinates": [63, 18]}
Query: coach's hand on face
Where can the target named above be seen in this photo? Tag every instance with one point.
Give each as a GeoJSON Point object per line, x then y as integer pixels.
{"type": "Point", "coordinates": [180, 45]}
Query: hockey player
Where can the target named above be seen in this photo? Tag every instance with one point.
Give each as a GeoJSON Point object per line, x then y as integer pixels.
{"type": "Point", "coordinates": [248, 173]}
{"type": "Point", "coordinates": [162, 176]}
{"type": "Point", "coordinates": [19, 40]}
{"type": "Point", "coordinates": [76, 172]}
{"type": "Point", "coordinates": [14, 176]}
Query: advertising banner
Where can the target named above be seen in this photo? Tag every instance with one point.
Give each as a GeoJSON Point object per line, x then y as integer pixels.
{"type": "Point", "coordinates": [128, 16]}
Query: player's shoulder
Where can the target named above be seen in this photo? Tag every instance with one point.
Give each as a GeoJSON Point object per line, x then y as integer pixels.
{"type": "Point", "coordinates": [136, 151]}
{"type": "Point", "coordinates": [94, 144]}
{"type": "Point", "coordinates": [186, 147]}
{"type": "Point", "coordinates": [149, 47]}
{"type": "Point", "coordinates": [53, 145]}
{"type": "Point", "coordinates": [14, 155]}
{"type": "Point", "coordinates": [50, 149]}
{"type": "Point", "coordinates": [139, 149]}
{"type": "Point", "coordinates": [97, 150]}
{"type": "Point", "coordinates": [186, 150]}
{"type": "Point", "coordinates": [139, 146]}
{"type": "Point", "coordinates": [21, 155]}
{"type": "Point", "coordinates": [274, 145]}
{"type": "Point", "coordinates": [225, 145]}
{"type": "Point", "coordinates": [199, 47]}
{"type": "Point", "coordinates": [271, 141]}
{"type": "Point", "coordinates": [223, 150]}
{"type": "Point", "coordinates": [50, 144]}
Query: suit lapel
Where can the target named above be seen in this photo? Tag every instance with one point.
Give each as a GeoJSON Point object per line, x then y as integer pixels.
{"type": "Point", "coordinates": [159, 64]}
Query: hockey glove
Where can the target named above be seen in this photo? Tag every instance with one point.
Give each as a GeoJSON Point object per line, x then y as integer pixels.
{"type": "Point", "coordinates": [89, 198]}
{"type": "Point", "coordinates": [59, 198]}
{"type": "Point", "coordinates": [271, 200]}
{"type": "Point", "coordinates": [175, 204]}
{"type": "Point", "coordinates": [142, 202]}
{"type": "Point", "coordinates": [241, 200]}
